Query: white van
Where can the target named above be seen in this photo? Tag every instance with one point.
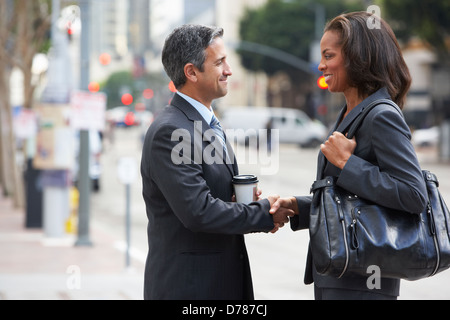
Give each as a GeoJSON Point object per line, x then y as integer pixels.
{"type": "Point", "coordinates": [294, 126]}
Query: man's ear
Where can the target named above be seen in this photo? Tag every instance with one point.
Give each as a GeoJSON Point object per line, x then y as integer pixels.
{"type": "Point", "coordinates": [190, 71]}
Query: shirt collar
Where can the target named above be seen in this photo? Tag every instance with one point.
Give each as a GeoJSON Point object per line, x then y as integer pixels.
{"type": "Point", "coordinates": [205, 112]}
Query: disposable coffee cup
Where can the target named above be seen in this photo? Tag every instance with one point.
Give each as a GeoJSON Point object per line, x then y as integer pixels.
{"type": "Point", "coordinates": [245, 186]}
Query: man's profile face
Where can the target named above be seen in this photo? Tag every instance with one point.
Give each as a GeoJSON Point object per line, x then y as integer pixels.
{"type": "Point", "coordinates": [213, 81]}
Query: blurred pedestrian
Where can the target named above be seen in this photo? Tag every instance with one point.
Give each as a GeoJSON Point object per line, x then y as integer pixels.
{"type": "Point", "coordinates": [269, 127]}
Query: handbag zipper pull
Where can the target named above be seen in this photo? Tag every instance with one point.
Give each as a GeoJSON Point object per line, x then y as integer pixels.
{"type": "Point", "coordinates": [431, 219]}
{"type": "Point", "coordinates": [338, 201]}
{"type": "Point", "coordinates": [352, 230]}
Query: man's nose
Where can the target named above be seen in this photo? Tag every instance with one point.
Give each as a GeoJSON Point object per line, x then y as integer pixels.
{"type": "Point", "coordinates": [227, 71]}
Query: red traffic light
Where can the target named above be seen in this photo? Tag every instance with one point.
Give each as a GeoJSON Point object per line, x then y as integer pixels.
{"type": "Point", "coordinates": [148, 94]}
{"type": "Point", "coordinates": [69, 28]}
{"type": "Point", "coordinates": [127, 99]}
{"type": "Point", "coordinates": [94, 86]}
{"type": "Point", "coordinates": [322, 83]}
{"type": "Point", "coordinates": [105, 59]}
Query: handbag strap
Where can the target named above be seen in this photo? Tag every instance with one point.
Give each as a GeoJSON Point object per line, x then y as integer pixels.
{"type": "Point", "coordinates": [318, 184]}
{"type": "Point", "coordinates": [364, 112]}
{"type": "Point", "coordinates": [326, 182]}
{"type": "Point", "coordinates": [429, 176]}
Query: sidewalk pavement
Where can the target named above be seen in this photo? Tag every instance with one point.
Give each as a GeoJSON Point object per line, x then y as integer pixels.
{"type": "Point", "coordinates": [33, 267]}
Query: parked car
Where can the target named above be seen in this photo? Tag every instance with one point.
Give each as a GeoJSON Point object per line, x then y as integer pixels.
{"type": "Point", "coordinates": [425, 137]}
{"type": "Point", "coordinates": [294, 126]}
{"type": "Point", "coordinates": [122, 117]}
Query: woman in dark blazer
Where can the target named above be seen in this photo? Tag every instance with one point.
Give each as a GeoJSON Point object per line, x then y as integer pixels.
{"type": "Point", "coordinates": [364, 62]}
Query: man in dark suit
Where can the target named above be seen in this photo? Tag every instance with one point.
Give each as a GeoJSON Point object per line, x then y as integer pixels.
{"type": "Point", "coordinates": [195, 231]}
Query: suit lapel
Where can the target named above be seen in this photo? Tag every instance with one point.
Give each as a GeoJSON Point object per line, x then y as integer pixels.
{"type": "Point", "coordinates": [321, 163]}
{"type": "Point", "coordinates": [193, 115]}
{"type": "Point", "coordinates": [348, 120]}
{"type": "Point", "coordinates": [187, 109]}
{"type": "Point", "coordinates": [342, 125]}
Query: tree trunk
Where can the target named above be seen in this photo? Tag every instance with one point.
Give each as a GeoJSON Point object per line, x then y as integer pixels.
{"type": "Point", "coordinates": [13, 181]}
{"type": "Point", "coordinates": [5, 180]}
{"type": "Point", "coordinates": [23, 28]}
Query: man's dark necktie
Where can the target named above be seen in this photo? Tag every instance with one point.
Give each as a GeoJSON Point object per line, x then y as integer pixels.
{"type": "Point", "coordinates": [215, 125]}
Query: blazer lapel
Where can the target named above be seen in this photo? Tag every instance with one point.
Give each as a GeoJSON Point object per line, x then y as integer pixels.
{"type": "Point", "coordinates": [322, 161]}
{"type": "Point", "coordinates": [342, 125]}
{"type": "Point", "coordinates": [193, 115]}
{"type": "Point", "coordinates": [187, 109]}
{"type": "Point", "coordinates": [345, 123]}
{"type": "Point", "coordinates": [348, 120]}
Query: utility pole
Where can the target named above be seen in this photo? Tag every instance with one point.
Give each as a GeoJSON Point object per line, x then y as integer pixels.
{"type": "Point", "coordinates": [56, 95]}
{"type": "Point", "coordinates": [84, 179]}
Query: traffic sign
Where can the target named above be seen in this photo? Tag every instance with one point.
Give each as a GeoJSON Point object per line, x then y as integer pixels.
{"type": "Point", "coordinates": [127, 170]}
{"type": "Point", "coordinates": [88, 110]}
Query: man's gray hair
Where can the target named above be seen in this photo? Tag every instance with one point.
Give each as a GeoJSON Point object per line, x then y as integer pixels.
{"type": "Point", "coordinates": [187, 44]}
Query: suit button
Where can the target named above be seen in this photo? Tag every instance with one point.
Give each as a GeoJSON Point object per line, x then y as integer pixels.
{"type": "Point", "coordinates": [241, 256]}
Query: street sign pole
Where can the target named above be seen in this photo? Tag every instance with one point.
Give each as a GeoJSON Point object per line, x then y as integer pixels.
{"type": "Point", "coordinates": [84, 180]}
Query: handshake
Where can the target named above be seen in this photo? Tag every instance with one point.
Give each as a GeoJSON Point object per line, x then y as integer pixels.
{"type": "Point", "coordinates": [281, 209]}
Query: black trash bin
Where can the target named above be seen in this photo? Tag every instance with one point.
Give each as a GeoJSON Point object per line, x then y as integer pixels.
{"type": "Point", "coordinates": [33, 196]}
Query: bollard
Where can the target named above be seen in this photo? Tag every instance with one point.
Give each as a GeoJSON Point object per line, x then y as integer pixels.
{"type": "Point", "coordinates": [55, 201]}
{"type": "Point", "coordinates": [127, 174]}
{"type": "Point", "coordinates": [72, 220]}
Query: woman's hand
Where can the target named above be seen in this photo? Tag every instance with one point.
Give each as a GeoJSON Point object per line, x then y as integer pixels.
{"type": "Point", "coordinates": [282, 209]}
{"type": "Point", "coordinates": [338, 149]}
{"type": "Point", "coordinates": [286, 203]}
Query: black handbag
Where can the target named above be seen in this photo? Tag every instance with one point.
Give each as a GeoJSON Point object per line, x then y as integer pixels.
{"type": "Point", "coordinates": [349, 234]}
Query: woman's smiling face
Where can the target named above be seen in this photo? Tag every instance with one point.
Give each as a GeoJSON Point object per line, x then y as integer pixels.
{"type": "Point", "coordinates": [332, 63]}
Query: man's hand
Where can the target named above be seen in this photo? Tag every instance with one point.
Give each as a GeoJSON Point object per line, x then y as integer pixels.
{"type": "Point", "coordinates": [286, 203]}
{"type": "Point", "coordinates": [257, 195]}
{"type": "Point", "coordinates": [280, 213]}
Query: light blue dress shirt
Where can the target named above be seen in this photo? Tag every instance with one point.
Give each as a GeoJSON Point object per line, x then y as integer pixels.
{"type": "Point", "coordinates": [204, 111]}
{"type": "Point", "coordinates": [207, 114]}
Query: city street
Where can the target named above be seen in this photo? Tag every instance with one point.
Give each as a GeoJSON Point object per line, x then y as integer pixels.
{"type": "Point", "coordinates": [83, 79]}
{"type": "Point", "coordinates": [277, 260]}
